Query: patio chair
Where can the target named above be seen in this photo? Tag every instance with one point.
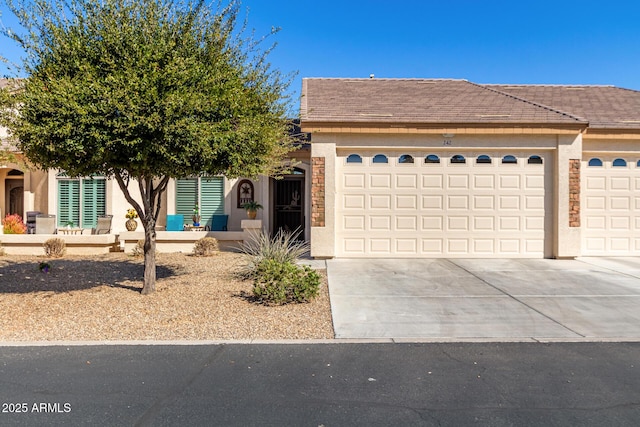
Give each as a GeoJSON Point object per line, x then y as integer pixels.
{"type": "Point", "coordinates": [46, 224]}
{"type": "Point", "coordinates": [219, 222]}
{"type": "Point", "coordinates": [31, 221]}
{"type": "Point", "coordinates": [103, 226]}
{"type": "Point", "coordinates": [175, 222]}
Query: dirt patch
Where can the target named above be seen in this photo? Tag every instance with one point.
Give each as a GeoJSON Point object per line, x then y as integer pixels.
{"type": "Point", "coordinates": [98, 298]}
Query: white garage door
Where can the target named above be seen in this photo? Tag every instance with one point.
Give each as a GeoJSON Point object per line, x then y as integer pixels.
{"type": "Point", "coordinates": [447, 204]}
{"type": "Point", "coordinates": [611, 207]}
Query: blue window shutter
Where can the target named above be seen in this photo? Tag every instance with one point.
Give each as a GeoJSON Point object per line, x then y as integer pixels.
{"type": "Point", "coordinates": [186, 197]}
{"type": "Point", "coordinates": [68, 202]}
{"type": "Point", "coordinates": [93, 201]}
{"type": "Point", "coordinates": [211, 198]}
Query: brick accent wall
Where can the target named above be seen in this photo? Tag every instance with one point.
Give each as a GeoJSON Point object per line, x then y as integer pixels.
{"type": "Point", "coordinates": [317, 192]}
{"type": "Point", "coordinates": [574, 193]}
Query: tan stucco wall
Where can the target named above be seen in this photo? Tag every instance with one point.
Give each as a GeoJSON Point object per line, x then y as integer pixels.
{"type": "Point", "coordinates": [567, 239]}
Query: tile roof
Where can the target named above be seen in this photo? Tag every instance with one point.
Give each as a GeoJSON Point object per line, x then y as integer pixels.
{"type": "Point", "coordinates": [605, 107]}
{"type": "Point", "coordinates": [420, 101]}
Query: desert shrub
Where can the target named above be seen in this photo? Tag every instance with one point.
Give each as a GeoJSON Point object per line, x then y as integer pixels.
{"type": "Point", "coordinates": [138, 249]}
{"type": "Point", "coordinates": [284, 282]}
{"type": "Point", "coordinates": [12, 224]}
{"type": "Point", "coordinates": [206, 246]}
{"type": "Point", "coordinates": [282, 248]}
{"type": "Point", "coordinates": [54, 247]}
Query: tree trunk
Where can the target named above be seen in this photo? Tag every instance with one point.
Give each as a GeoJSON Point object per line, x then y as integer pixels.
{"type": "Point", "coordinates": [149, 284]}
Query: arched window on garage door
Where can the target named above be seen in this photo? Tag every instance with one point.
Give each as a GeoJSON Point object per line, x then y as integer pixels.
{"type": "Point", "coordinates": [380, 158]}
{"type": "Point", "coordinates": [354, 158]}
{"type": "Point", "coordinates": [595, 162]}
{"type": "Point", "coordinates": [405, 159]}
{"type": "Point", "coordinates": [483, 158]}
{"type": "Point", "coordinates": [534, 160]}
{"type": "Point", "coordinates": [509, 160]}
{"type": "Point", "coordinates": [432, 158]}
{"type": "Point", "coordinates": [619, 163]}
{"type": "Point", "coordinates": [458, 158]}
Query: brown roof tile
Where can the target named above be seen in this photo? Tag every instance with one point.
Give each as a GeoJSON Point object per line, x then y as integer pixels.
{"type": "Point", "coordinates": [420, 101]}
{"type": "Point", "coordinates": [605, 107]}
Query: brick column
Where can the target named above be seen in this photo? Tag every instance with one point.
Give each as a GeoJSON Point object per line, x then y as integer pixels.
{"type": "Point", "coordinates": [574, 193]}
{"type": "Point", "coordinates": [317, 192]}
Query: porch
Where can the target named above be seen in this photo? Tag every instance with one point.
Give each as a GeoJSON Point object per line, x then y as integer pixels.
{"type": "Point", "coordinates": [90, 244]}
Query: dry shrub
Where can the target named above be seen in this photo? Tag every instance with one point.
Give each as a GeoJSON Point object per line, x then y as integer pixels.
{"type": "Point", "coordinates": [207, 246]}
{"type": "Point", "coordinates": [138, 249]}
{"type": "Point", "coordinates": [54, 247]}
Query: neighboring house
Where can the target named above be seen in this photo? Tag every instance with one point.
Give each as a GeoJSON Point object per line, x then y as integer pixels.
{"type": "Point", "coordinates": [82, 200]}
{"type": "Point", "coordinates": [448, 168]}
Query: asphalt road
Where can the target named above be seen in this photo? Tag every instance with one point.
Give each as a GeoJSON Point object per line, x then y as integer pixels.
{"type": "Point", "coordinates": [587, 384]}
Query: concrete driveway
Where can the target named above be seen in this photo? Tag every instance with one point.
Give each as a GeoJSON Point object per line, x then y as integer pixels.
{"type": "Point", "coordinates": [587, 299]}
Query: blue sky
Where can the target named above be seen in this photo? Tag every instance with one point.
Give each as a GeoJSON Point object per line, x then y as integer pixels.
{"type": "Point", "coordinates": [541, 41]}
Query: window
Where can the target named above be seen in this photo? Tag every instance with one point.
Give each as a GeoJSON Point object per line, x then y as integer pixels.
{"type": "Point", "coordinates": [458, 158]}
{"type": "Point", "coordinates": [619, 163]}
{"type": "Point", "coordinates": [206, 192]}
{"type": "Point", "coordinates": [405, 158]}
{"type": "Point", "coordinates": [354, 158]}
{"type": "Point", "coordinates": [380, 158]}
{"type": "Point", "coordinates": [432, 158]}
{"type": "Point", "coordinates": [509, 159]}
{"type": "Point", "coordinates": [595, 162]}
{"type": "Point", "coordinates": [638, 164]}
{"type": "Point", "coordinates": [483, 159]}
{"type": "Point", "coordinates": [535, 160]}
{"type": "Point", "coordinates": [81, 201]}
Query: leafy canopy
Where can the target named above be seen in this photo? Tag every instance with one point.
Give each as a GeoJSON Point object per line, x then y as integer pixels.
{"type": "Point", "coordinates": [146, 89]}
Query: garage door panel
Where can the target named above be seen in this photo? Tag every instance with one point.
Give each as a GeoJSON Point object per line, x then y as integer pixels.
{"type": "Point", "coordinates": [406, 181]}
{"type": "Point", "coordinates": [380, 222]}
{"type": "Point", "coordinates": [380, 181]}
{"type": "Point", "coordinates": [484, 246]}
{"type": "Point", "coordinates": [404, 223]}
{"type": "Point", "coordinates": [510, 202]}
{"type": "Point", "coordinates": [484, 223]}
{"type": "Point", "coordinates": [458, 223]}
{"type": "Point", "coordinates": [620, 203]}
{"type": "Point", "coordinates": [433, 246]}
{"type": "Point", "coordinates": [458, 182]}
{"type": "Point", "coordinates": [380, 246]}
{"type": "Point", "coordinates": [380, 201]}
{"type": "Point", "coordinates": [620, 183]}
{"type": "Point", "coordinates": [509, 182]}
{"type": "Point", "coordinates": [535, 182]}
{"type": "Point", "coordinates": [620, 223]}
{"type": "Point", "coordinates": [432, 182]}
{"type": "Point", "coordinates": [432, 223]}
{"type": "Point", "coordinates": [484, 202]}
{"type": "Point", "coordinates": [484, 182]}
{"type": "Point", "coordinates": [354, 201]}
{"type": "Point", "coordinates": [354, 222]}
{"type": "Point", "coordinates": [509, 223]}
{"type": "Point", "coordinates": [406, 246]}
{"type": "Point", "coordinates": [458, 202]}
{"type": "Point", "coordinates": [595, 183]}
{"type": "Point", "coordinates": [432, 202]}
{"type": "Point", "coordinates": [354, 181]}
{"type": "Point", "coordinates": [405, 201]}
{"type": "Point", "coordinates": [458, 246]}
{"type": "Point", "coordinates": [534, 202]}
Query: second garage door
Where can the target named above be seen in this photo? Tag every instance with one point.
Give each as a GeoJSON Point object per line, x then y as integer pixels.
{"type": "Point", "coordinates": [448, 204]}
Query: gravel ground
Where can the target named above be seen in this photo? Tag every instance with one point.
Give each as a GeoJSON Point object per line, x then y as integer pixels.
{"type": "Point", "coordinates": [98, 298]}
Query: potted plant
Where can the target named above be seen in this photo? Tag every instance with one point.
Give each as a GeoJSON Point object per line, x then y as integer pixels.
{"type": "Point", "coordinates": [131, 216]}
{"type": "Point", "coordinates": [196, 216]}
{"type": "Point", "coordinates": [69, 225]}
{"type": "Point", "coordinates": [252, 209]}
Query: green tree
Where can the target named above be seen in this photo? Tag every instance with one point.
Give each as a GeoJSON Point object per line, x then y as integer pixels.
{"type": "Point", "coordinates": [143, 91]}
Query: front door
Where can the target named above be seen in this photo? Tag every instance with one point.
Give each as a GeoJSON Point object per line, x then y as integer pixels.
{"type": "Point", "coordinates": [289, 204]}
